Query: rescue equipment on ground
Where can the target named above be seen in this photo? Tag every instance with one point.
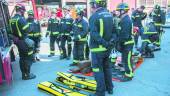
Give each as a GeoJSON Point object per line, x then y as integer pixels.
{"type": "Point", "coordinates": [57, 90]}
{"type": "Point", "coordinates": [76, 82]}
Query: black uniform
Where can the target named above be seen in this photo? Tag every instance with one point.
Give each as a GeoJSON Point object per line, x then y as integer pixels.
{"type": "Point", "coordinates": [101, 33]}
{"type": "Point", "coordinates": [80, 30]}
{"type": "Point", "coordinates": [150, 35]}
{"type": "Point", "coordinates": [35, 34]}
{"type": "Point", "coordinates": [125, 44]}
{"type": "Point", "coordinates": [53, 31]}
{"type": "Point", "coordinates": [20, 29]}
{"type": "Point", "coordinates": [159, 19]}
{"type": "Point", "coordinates": [65, 29]}
{"type": "Point", "coordinates": [137, 18]}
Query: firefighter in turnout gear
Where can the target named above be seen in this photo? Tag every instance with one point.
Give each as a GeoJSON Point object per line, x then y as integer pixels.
{"type": "Point", "coordinates": [159, 18]}
{"type": "Point", "coordinates": [137, 16]}
{"type": "Point", "coordinates": [101, 37]}
{"type": "Point", "coordinates": [150, 35]}
{"type": "Point", "coordinates": [80, 30]}
{"type": "Point", "coordinates": [125, 41]}
{"type": "Point", "coordinates": [65, 29]}
{"type": "Point", "coordinates": [53, 33]}
{"type": "Point", "coordinates": [20, 29]}
{"type": "Point", "coordinates": [35, 33]}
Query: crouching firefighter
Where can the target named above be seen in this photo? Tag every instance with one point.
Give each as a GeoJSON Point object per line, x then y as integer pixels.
{"type": "Point", "coordinates": [20, 29]}
{"type": "Point", "coordinates": [125, 41]}
{"type": "Point", "coordinates": [35, 34]}
{"type": "Point", "coordinates": [80, 31]}
{"type": "Point", "coordinates": [149, 37]}
{"type": "Point", "coordinates": [159, 18]}
{"type": "Point", "coordinates": [53, 33]}
{"type": "Point", "coordinates": [101, 35]}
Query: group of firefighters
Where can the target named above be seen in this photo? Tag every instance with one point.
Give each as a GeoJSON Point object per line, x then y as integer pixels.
{"type": "Point", "coordinates": [103, 32]}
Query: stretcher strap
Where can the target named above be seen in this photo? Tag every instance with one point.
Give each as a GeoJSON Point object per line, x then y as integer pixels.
{"type": "Point", "coordinates": [77, 77]}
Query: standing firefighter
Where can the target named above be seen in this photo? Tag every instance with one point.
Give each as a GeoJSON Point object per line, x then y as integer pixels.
{"type": "Point", "coordinates": [66, 28]}
{"type": "Point", "coordinates": [101, 36]}
{"type": "Point", "coordinates": [125, 40]}
{"type": "Point", "coordinates": [35, 34]}
{"type": "Point", "coordinates": [80, 30]}
{"type": "Point", "coordinates": [20, 29]}
{"type": "Point", "coordinates": [53, 32]}
{"type": "Point", "coordinates": [158, 17]}
{"type": "Point", "coordinates": [137, 16]}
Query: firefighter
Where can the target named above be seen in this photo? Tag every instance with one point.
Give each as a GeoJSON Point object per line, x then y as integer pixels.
{"type": "Point", "coordinates": [20, 29]}
{"type": "Point", "coordinates": [101, 42]}
{"type": "Point", "coordinates": [159, 19]}
{"type": "Point", "coordinates": [137, 17]}
{"type": "Point", "coordinates": [125, 41]}
{"type": "Point", "coordinates": [65, 29]}
{"type": "Point", "coordinates": [53, 33]}
{"type": "Point", "coordinates": [150, 35]}
{"type": "Point", "coordinates": [116, 21]}
{"type": "Point", "coordinates": [87, 50]}
{"type": "Point", "coordinates": [80, 30]}
{"type": "Point", "coordinates": [35, 34]}
{"type": "Point", "coordinates": [116, 27]}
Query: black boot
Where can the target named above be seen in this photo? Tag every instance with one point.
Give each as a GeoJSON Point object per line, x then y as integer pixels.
{"type": "Point", "coordinates": [110, 92]}
{"type": "Point", "coordinates": [37, 59]}
{"type": "Point", "coordinates": [50, 55]}
{"type": "Point", "coordinates": [23, 76]}
{"type": "Point", "coordinates": [28, 76]}
{"type": "Point", "coordinates": [62, 57]}
{"type": "Point", "coordinates": [68, 58]}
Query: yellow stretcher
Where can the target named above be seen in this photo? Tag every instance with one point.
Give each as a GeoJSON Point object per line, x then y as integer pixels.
{"type": "Point", "coordinates": [57, 90]}
{"type": "Point", "coordinates": [75, 82]}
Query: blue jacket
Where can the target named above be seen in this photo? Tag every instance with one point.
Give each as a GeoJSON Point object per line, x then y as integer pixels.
{"type": "Point", "coordinates": [19, 26]}
{"type": "Point", "coordinates": [53, 27]}
{"type": "Point", "coordinates": [101, 30]}
{"type": "Point", "coordinates": [36, 28]}
{"type": "Point", "coordinates": [66, 26]}
{"type": "Point", "coordinates": [80, 30]}
{"type": "Point", "coordinates": [125, 32]}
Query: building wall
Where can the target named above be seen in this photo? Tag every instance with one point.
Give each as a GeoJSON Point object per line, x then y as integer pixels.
{"type": "Point", "coordinates": [113, 3]}
{"type": "Point", "coordinates": [75, 0]}
{"type": "Point", "coordinates": [151, 3]}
